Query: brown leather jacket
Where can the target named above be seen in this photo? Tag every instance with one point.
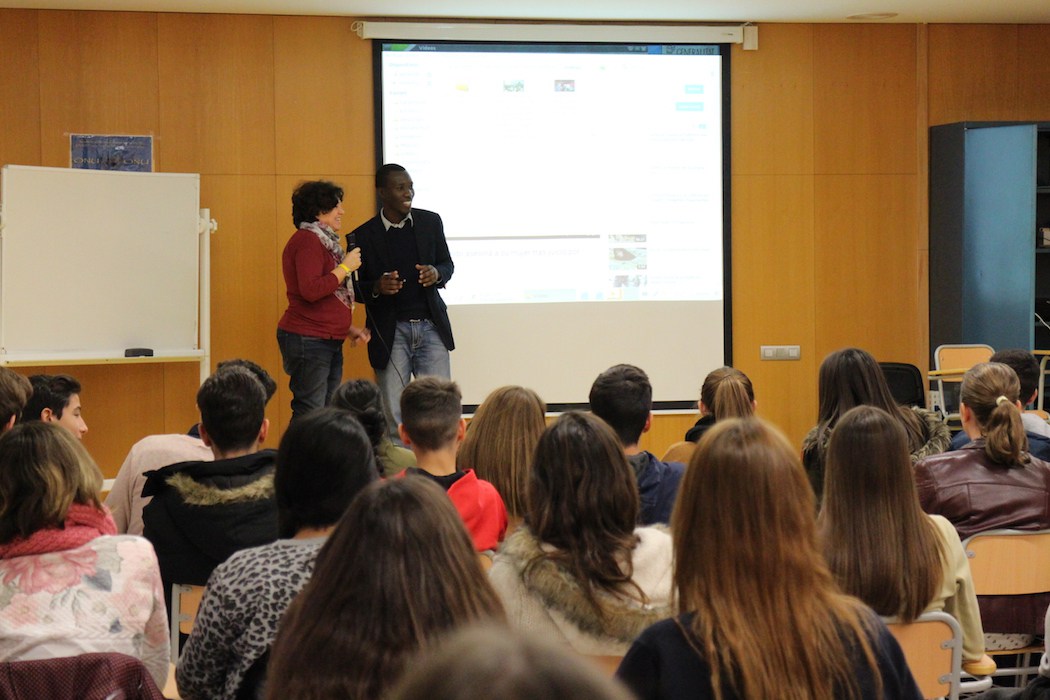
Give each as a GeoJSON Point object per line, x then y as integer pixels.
{"type": "Point", "coordinates": [976, 495]}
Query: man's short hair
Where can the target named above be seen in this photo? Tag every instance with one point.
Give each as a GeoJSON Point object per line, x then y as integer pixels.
{"type": "Point", "coordinates": [385, 171]}
{"type": "Point", "coordinates": [623, 397]}
{"type": "Point", "coordinates": [50, 391]}
{"type": "Point", "coordinates": [431, 409]}
{"type": "Point", "coordinates": [1026, 366]}
{"type": "Point", "coordinates": [232, 403]}
{"type": "Point", "coordinates": [15, 391]}
{"type": "Point", "coordinates": [260, 373]}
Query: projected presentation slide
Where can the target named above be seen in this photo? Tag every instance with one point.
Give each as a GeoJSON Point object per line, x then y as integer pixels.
{"type": "Point", "coordinates": [564, 173]}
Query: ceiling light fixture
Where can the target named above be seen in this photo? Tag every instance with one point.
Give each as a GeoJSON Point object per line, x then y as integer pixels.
{"type": "Point", "coordinates": [873, 16]}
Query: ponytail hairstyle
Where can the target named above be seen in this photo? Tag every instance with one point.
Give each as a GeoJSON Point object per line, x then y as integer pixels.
{"type": "Point", "coordinates": [727, 393]}
{"type": "Point", "coordinates": [990, 390]}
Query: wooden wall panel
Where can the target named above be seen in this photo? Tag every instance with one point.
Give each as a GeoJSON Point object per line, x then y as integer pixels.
{"type": "Point", "coordinates": [323, 80]}
{"type": "Point", "coordinates": [98, 75]}
{"type": "Point", "coordinates": [216, 94]}
{"type": "Point", "coordinates": [666, 430]}
{"type": "Point", "coordinates": [1033, 71]}
{"type": "Point", "coordinates": [864, 98]}
{"type": "Point", "coordinates": [773, 294]}
{"type": "Point", "coordinates": [19, 88]}
{"type": "Point", "coordinates": [772, 92]}
{"type": "Point", "coordinates": [867, 265]}
{"type": "Point", "coordinates": [181, 381]}
{"type": "Point", "coordinates": [973, 72]}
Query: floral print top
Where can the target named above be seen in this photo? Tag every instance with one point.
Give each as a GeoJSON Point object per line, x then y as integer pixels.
{"type": "Point", "coordinates": [104, 596]}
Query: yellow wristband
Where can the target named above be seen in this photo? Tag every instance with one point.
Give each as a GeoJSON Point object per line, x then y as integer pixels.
{"type": "Point", "coordinates": [345, 268]}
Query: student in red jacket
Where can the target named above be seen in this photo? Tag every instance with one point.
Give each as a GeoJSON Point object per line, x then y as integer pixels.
{"type": "Point", "coordinates": [433, 427]}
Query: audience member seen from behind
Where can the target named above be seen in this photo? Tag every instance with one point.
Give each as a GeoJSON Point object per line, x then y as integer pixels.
{"type": "Point", "coordinates": [989, 484]}
{"type": "Point", "coordinates": [852, 377]}
{"type": "Point", "coordinates": [320, 297]}
{"type": "Point", "coordinates": [433, 428]}
{"type": "Point", "coordinates": [362, 398]}
{"type": "Point", "coordinates": [397, 574]}
{"type": "Point", "coordinates": [725, 393]}
{"type": "Point", "coordinates": [580, 571]}
{"type": "Point", "coordinates": [880, 545]}
{"type": "Point", "coordinates": [1036, 429]}
{"type": "Point", "coordinates": [761, 616]}
{"type": "Point", "coordinates": [324, 460]}
{"type": "Point", "coordinates": [623, 397]}
{"type": "Point", "coordinates": [494, 662]}
{"type": "Point", "coordinates": [69, 584]}
{"type": "Point", "coordinates": [500, 442]}
{"type": "Point", "coordinates": [125, 499]}
{"type": "Point", "coordinates": [56, 399]}
{"type": "Point", "coordinates": [15, 391]}
{"type": "Point", "coordinates": [202, 512]}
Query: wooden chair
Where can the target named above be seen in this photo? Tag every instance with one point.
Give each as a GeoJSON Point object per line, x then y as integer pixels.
{"type": "Point", "coordinates": [1011, 562]}
{"type": "Point", "coordinates": [950, 364]}
{"type": "Point", "coordinates": [679, 452]}
{"type": "Point", "coordinates": [932, 646]}
{"type": "Point", "coordinates": [185, 600]}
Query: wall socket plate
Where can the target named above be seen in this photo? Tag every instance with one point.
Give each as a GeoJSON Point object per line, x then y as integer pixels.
{"type": "Point", "coordinates": [780, 352]}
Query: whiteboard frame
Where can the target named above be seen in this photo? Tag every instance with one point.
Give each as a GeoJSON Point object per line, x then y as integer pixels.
{"type": "Point", "coordinates": [200, 354]}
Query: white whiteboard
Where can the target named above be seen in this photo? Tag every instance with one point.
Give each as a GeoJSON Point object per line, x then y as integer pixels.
{"type": "Point", "coordinates": [94, 262]}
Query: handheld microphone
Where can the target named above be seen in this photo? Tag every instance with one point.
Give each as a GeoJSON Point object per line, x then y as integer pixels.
{"type": "Point", "coordinates": [351, 243]}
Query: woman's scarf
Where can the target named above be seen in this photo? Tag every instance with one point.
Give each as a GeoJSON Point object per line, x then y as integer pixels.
{"type": "Point", "coordinates": [83, 524]}
{"type": "Point", "coordinates": [345, 291]}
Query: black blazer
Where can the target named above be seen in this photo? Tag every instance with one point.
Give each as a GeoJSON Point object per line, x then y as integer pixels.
{"type": "Point", "coordinates": [376, 258]}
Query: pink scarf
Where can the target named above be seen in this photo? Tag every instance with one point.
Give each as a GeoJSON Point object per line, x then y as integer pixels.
{"type": "Point", "coordinates": [83, 524]}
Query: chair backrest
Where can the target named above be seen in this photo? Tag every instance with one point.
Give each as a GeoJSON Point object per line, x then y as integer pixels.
{"type": "Point", "coordinates": [905, 383]}
{"type": "Point", "coordinates": [1009, 562]}
{"type": "Point", "coordinates": [932, 646]}
{"type": "Point", "coordinates": [96, 675]}
{"type": "Point", "coordinates": [951, 362]}
{"type": "Point", "coordinates": [679, 452]}
{"type": "Point", "coordinates": [185, 600]}
{"type": "Point", "coordinates": [961, 357]}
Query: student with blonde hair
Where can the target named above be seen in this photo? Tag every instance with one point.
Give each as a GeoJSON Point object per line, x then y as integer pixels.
{"type": "Point", "coordinates": [879, 544]}
{"type": "Point", "coordinates": [761, 615]}
{"type": "Point", "coordinates": [500, 442]}
{"type": "Point", "coordinates": [992, 483]}
{"type": "Point", "coordinates": [725, 393]}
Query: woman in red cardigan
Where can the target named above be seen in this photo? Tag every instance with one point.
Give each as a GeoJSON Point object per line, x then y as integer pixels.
{"type": "Point", "coordinates": [320, 297]}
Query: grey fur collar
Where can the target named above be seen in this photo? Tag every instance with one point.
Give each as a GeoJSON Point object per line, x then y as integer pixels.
{"type": "Point", "coordinates": [558, 590]}
{"type": "Point", "coordinates": [195, 493]}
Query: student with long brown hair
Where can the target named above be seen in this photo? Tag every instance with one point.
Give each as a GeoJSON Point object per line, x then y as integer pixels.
{"type": "Point", "coordinates": [879, 544]}
{"type": "Point", "coordinates": [851, 377]}
{"type": "Point", "coordinates": [725, 393]}
{"type": "Point", "coordinates": [398, 572]}
{"type": "Point", "coordinates": [579, 571]}
{"type": "Point", "coordinates": [992, 483]}
{"type": "Point", "coordinates": [761, 614]}
{"type": "Point", "coordinates": [500, 442]}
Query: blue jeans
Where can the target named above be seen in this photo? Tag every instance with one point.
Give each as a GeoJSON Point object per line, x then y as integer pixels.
{"type": "Point", "coordinates": [417, 351]}
{"type": "Point", "coordinates": [314, 367]}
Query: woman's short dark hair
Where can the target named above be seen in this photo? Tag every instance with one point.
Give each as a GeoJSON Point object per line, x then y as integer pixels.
{"type": "Point", "coordinates": [362, 398]}
{"type": "Point", "coordinates": [313, 198]}
{"type": "Point", "coordinates": [323, 461]}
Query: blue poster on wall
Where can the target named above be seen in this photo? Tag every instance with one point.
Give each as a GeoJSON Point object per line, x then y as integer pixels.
{"type": "Point", "coordinates": [103, 152]}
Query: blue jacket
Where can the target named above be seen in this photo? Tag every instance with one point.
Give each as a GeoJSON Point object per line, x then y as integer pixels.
{"type": "Point", "coordinates": [1038, 445]}
{"type": "Point", "coordinates": [657, 485]}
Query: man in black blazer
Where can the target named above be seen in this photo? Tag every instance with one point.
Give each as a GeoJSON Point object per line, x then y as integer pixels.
{"type": "Point", "coordinates": [404, 261]}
